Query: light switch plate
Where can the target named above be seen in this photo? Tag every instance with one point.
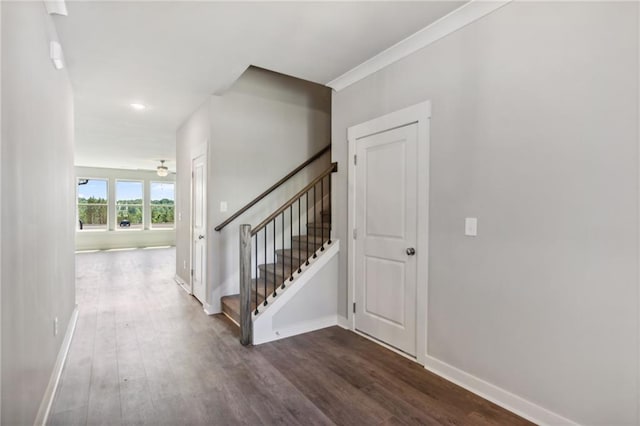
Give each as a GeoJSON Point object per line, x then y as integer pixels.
{"type": "Point", "coordinates": [223, 206]}
{"type": "Point", "coordinates": [471, 226]}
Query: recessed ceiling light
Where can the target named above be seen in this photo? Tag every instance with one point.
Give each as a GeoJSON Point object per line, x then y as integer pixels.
{"type": "Point", "coordinates": [138, 107]}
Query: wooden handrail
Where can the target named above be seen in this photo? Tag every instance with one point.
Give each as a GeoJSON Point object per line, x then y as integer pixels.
{"type": "Point", "coordinates": [331, 169]}
{"type": "Point", "coordinates": [273, 187]}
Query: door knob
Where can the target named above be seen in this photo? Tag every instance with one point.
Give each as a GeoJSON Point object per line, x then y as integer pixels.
{"type": "Point", "coordinates": [200, 237]}
{"type": "Point", "coordinates": [411, 251]}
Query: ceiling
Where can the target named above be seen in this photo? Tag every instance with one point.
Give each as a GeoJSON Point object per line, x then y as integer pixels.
{"type": "Point", "coordinates": [171, 55]}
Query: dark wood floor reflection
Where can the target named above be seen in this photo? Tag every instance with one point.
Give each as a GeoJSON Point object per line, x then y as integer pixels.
{"type": "Point", "coordinates": [144, 352]}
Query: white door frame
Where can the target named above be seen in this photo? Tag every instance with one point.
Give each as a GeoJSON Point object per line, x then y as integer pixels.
{"type": "Point", "coordinates": [420, 114]}
{"type": "Point", "coordinates": [201, 149]}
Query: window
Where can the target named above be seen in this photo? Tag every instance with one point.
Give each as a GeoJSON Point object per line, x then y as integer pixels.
{"type": "Point", "coordinates": [162, 205]}
{"type": "Point", "coordinates": [129, 204]}
{"type": "Point", "coordinates": [93, 204]}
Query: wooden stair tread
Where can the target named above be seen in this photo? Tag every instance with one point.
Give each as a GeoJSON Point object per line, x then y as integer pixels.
{"type": "Point", "coordinates": [311, 238]}
{"type": "Point", "coordinates": [231, 305]}
{"type": "Point", "coordinates": [325, 225]}
{"type": "Point", "coordinates": [268, 269]}
{"type": "Point", "coordinates": [301, 254]}
{"type": "Point", "coordinates": [260, 286]}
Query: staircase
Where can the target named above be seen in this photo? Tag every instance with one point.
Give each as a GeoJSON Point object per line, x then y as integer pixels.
{"type": "Point", "coordinates": [280, 249]}
{"type": "Point", "coordinates": [288, 261]}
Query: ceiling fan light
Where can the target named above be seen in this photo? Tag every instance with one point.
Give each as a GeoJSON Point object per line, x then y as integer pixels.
{"type": "Point", "coordinates": [162, 170]}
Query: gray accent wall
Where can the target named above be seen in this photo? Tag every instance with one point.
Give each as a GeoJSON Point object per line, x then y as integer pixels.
{"type": "Point", "coordinates": [263, 127]}
{"type": "Point", "coordinates": [37, 212]}
{"type": "Point", "coordinates": [534, 131]}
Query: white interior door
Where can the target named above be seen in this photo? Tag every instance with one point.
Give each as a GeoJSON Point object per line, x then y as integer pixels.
{"type": "Point", "coordinates": [199, 227]}
{"type": "Point", "coordinates": [386, 226]}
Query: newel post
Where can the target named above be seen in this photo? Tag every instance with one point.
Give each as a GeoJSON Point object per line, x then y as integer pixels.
{"type": "Point", "coordinates": [245, 285]}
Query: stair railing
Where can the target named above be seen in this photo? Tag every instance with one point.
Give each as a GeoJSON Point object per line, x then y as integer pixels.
{"type": "Point", "coordinates": [285, 253]}
{"type": "Point", "coordinates": [273, 187]}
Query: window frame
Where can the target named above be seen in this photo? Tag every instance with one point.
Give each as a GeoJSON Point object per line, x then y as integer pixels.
{"type": "Point", "coordinates": [106, 225]}
{"type": "Point", "coordinates": [116, 225]}
{"type": "Point", "coordinates": [151, 205]}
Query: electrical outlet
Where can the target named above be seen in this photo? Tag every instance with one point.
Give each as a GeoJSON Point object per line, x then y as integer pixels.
{"type": "Point", "coordinates": [184, 264]}
{"type": "Point", "coordinates": [55, 326]}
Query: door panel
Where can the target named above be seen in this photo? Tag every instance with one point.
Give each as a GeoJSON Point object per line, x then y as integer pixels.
{"type": "Point", "coordinates": [386, 223]}
{"type": "Point", "coordinates": [385, 165]}
{"type": "Point", "coordinates": [381, 302]}
{"type": "Point", "coordinates": [199, 230]}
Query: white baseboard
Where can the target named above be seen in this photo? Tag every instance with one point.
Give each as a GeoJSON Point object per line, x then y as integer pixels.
{"type": "Point", "coordinates": [486, 390]}
{"type": "Point", "coordinates": [209, 309]}
{"type": "Point", "coordinates": [495, 394]}
{"type": "Point", "coordinates": [182, 283]}
{"type": "Point", "coordinates": [47, 401]}
{"type": "Point", "coordinates": [387, 346]}
{"type": "Point", "coordinates": [344, 322]}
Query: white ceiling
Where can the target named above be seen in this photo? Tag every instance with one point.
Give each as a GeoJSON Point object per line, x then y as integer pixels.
{"type": "Point", "coordinates": [172, 55]}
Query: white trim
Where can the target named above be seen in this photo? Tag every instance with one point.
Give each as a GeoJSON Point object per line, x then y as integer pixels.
{"type": "Point", "coordinates": [448, 24]}
{"type": "Point", "coordinates": [231, 319]}
{"type": "Point", "coordinates": [384, 345]}
{"type": "Point", "coordinates": [108, 204]}
{"type": "Point", "coordinates": [208, 309]}
{"type": "Point", "coordinates": [162, 182]}
{"type": "Point", "coordinates": [47, 401]}
{"type": "Point", "coordinates": [56, 7]}
{"type": "Point", "coordinates": [116, 225]}
{"type": "Point", "coordinates": [420, 114]}
{"type": "Point", "coordinates": [495, 394]}
{"type": "Point", "coordinates": [486, 390]}
{"type": "Point", "coordinates": [263, 330]}
{"type": "Point", "coordinates": [638, 243]}
{"type": "Point", "coordinates": [197, 151]}
{"type": "Point", "coordinates": [344, 322]}
{"type": "Point", "coordinates": [1, 145]}
{"type": "Point", "coordinates": [183, 284]}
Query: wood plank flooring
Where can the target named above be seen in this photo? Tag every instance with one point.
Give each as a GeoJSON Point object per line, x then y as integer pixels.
{"type": "Point", "coordinates": [144, 352]}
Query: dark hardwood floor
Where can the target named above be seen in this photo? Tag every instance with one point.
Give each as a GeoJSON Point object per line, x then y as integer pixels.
{"type": "Point", "coordinates": [144, 352]}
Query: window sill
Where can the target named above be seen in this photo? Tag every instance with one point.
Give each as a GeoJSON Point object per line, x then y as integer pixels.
{"type": "Point", "coordinates": [88, 231]}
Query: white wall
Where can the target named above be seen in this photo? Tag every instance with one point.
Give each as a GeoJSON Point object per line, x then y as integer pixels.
{"type": "Point", "coordinates": [37, 212]}
{"type": "Point", "coordinates": [115, 237]}
{"type": "Point", "coordinates": [193, 133]}
{"type": "Point", "coordinates": [258, 131]}
{"type": "Point", "coordinates": [534, 131]}
{"type": "Point", "coordinates": [309, 303]}
{"type": "Point", "coordinates": [1, 139]}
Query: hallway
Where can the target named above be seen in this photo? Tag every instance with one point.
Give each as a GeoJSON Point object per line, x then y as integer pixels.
{"type": "Point", "coordinates": [145, 353]}
{"type": "Point", "coordinates": [132, 358]}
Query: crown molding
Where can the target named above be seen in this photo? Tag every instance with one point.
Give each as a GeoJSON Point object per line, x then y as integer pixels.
{"type": "Point", "coordinates": [448, 24]}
